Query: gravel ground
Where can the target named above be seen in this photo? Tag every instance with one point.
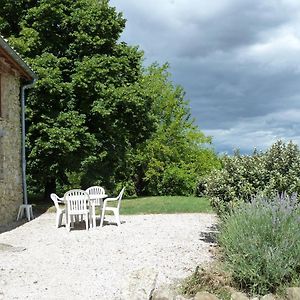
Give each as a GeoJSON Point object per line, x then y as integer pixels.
{"type": "Point", "coordinates": [49, 263]}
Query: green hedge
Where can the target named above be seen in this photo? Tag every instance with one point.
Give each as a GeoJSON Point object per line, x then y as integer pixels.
{"type": "Point", "coordinates": [243, 176]}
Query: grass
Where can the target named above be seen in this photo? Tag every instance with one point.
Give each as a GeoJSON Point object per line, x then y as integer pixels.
{"type": "Point", "coordinates": [165, 205]}
{"type": "Point", "coordinates": [152, 205]}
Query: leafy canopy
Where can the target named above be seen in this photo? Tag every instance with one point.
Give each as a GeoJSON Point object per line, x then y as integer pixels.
{"type": "Point", "coordinates": [95, 116]}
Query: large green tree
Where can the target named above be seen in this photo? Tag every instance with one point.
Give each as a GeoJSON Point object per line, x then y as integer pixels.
{"type": "Point", "coordinates": [84, 113]}
{"type": "Point", "coordinates": [95, 116]}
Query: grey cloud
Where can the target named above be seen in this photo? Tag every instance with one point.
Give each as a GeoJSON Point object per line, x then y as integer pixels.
{"type": "Point", "coordinates": [238, 62]}
{"type": "Point", "coordinates": [261, 131]}
{"type": "Point", "coordinates": [231, 91]}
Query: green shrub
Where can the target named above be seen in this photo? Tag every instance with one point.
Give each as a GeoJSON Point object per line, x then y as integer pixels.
{"type": "Point", "coordinates": [243, 176]}
{"type": "Point", "coordinates": [129, 188]}
{"type": "Point", "coordinates": [177, 181]}
{"type": "Point", "coordinates": [260, 242]}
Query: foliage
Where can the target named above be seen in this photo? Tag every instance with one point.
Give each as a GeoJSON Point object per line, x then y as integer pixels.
{"type": "Point", "coordinates": [11, 13]}
{"type": "Point", "coordinates": [260, 243]}
{"type": "Point", "coordinates": [95, 116]}
{"type": "Point", "coordinates": [243, 176]}
{"type": "Point", "coordinates": [176, 155]}
{"type": "Point", "coordinates": [91, 113]}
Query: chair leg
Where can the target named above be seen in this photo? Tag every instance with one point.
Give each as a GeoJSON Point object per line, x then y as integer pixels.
{"type": "Point", "coordinates": [67, 218]}
{"type": "Point", "coordinates": [93, 215]}
{"type": "Point", "coordinates": [58, 219]}
{"type": "Point", "coordinates": [68, 222]}
{"type": "Point", "coordinates": [20, 212]}
{"type": "Point", "coordinates": [117, 216]}
{"type": "Point", "coordinates": [91, 221]}
{"type": "Point", "coordinates": [28, 211]}
{"type": "Point", "coordinates": [87, 216]}
{"type": "Point", "coordinates": [102, 216]}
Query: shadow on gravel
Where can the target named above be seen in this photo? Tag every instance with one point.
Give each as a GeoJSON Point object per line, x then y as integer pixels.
{"type": "Point", "coordinates": [209, 236]}
{"type": "Point", "coordinates": [38, 209]}
{"type": "Point", "coordinates": [11, 226]}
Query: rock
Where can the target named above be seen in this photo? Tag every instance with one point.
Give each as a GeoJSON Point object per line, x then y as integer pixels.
{"type": "Point", "coordinates": [18, 249]}
{"type": "Point", "coordinates": [7, 247]}
{"type": "Point", "coordinates": [140, 285]}
{"type": "Point", "coordinates": [254, 298]}
{"type": "Point", "coordinates": [239, 296]}
{"type": "Point", "coordinates": [167, 292]}
{"type": "Point", "coordinates": [268, 297]}
{"type": "Point", "coordinates": [293, 293]}
{"type": "Point", "coordinates": [205, 296]}
{"type": "Point", "coordinates": [164, 293]}
{"type": "Point", "coordinates": [180, 297]}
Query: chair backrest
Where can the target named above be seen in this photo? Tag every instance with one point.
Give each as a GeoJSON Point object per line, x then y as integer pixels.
{"type": "Point", "coordinates": [95, 190]}
{"type": "Point", "coordinates": [120, 197]}
{"type": "Point", "coordinates": [56, 200]}
{"type": "Point", "coordinates": [77, 200]}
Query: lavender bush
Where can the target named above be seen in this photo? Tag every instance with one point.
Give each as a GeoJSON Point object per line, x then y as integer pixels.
{"type": "Point", "coordinates": [260, 241]}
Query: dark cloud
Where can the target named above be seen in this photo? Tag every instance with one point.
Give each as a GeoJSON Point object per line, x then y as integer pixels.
{"type": "Point", "coordinates": [238, 62]}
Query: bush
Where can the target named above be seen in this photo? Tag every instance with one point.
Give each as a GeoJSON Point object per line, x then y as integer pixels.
{"type": "Point", "coordinates": [260, 244]}
{"type": "Point", "coordinates": [177, 181]}
{"type": "Point", "coordinates": [243, 176]}
{"type": "Point", "coordinates": [129, 188]}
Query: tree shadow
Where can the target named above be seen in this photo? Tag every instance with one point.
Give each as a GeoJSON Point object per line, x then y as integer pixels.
{"type": "Point", "coordinates": [12, 225]}
{"type": "Point", "coordinates": [38, 208]}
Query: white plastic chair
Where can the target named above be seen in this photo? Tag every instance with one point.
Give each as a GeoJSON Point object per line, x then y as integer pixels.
{"type": "Point", "coordinates": [78, 203]}
{"type": "Point", "coordinates": [59, 211]}
{"type": "Point", "coordinates": [97, 194]}
{"type": "Point", "coordinates": [115, 210]}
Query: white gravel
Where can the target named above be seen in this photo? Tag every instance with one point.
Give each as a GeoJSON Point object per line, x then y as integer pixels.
{"type": "Point", "coordinates": [94, 264]}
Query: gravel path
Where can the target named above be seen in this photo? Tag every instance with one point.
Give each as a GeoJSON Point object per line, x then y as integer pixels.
{"type": "Point", "coordinates": [49, 263]}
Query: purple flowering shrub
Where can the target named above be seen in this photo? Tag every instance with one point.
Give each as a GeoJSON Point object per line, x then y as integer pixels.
{"type": "Point", "coordinates": [260, 241]}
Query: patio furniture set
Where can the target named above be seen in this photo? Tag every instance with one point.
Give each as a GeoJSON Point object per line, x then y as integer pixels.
{"type": "Point", "coordinates": [81, 205]}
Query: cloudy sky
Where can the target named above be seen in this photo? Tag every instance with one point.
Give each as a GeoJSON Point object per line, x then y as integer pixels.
{"type": "Point", "coordinates": [237, 60]}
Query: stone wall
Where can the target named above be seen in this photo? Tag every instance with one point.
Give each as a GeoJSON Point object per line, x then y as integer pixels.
{"type": "Point", "coordinates": [10, 148]}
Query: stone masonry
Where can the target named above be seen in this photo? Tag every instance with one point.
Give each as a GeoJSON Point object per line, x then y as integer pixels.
{"type": "Point", "coordinates": [10, 147]}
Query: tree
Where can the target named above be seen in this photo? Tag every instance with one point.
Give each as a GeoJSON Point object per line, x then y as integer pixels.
{"type": "Point", "coordinates": [177, 154]}
{"type": "Point", "coordinates": [84, 112]}
{"type": "Point", "coordinates": [95, 116]}
{"type": "Point", "coordinates": [11, 14]}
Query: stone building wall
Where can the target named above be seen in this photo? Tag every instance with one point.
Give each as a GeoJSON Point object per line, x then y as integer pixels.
{"type": "Point", "coordinates": [10, 148]}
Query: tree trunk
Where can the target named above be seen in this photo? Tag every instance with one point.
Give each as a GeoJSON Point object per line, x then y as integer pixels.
{"type": "Point", "coordinates": [50, 187]}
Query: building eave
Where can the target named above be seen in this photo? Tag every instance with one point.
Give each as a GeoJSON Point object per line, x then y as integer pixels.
{"type": "Point", "coordinates": [11, 56]}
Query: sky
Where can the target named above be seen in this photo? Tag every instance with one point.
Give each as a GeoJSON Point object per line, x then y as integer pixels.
{"type": "Point", "coordinates": [237, 60]}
